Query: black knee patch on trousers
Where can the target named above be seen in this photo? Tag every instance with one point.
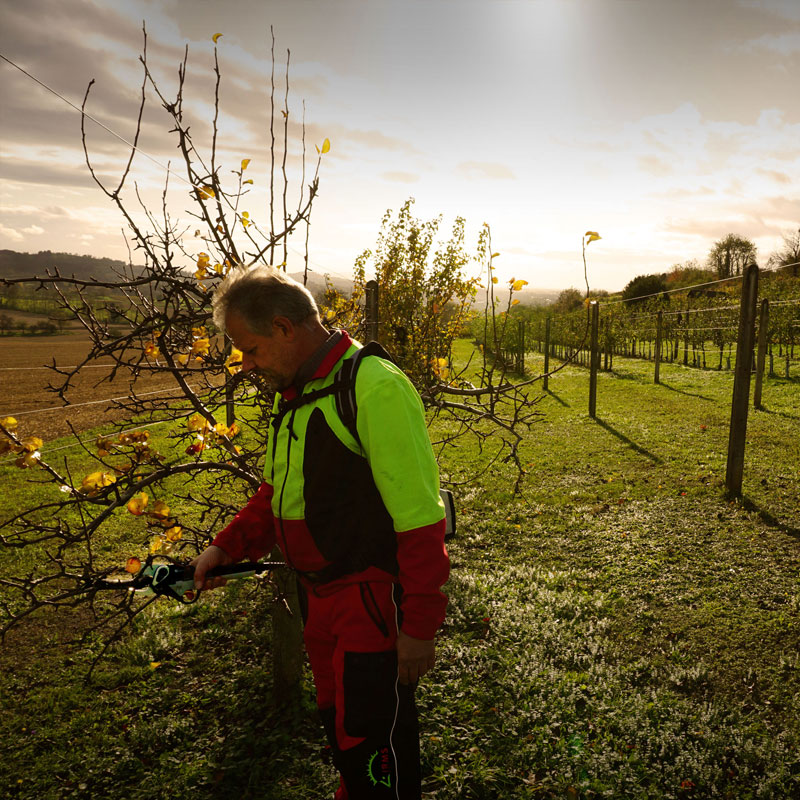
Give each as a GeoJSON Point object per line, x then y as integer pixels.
{"type": "Point", "coordinates": [370, 699]}
{"type": "Point", "coordinates": [378, 708]}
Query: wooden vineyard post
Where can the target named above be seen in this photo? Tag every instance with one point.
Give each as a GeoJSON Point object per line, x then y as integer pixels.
{"type": "Point", "coordinates": [287, 636]}
{"type": "Point", "coordinates": [659, 332]}
{"type": "Point", "coordinates": [594, 359]}
{"type": "Point", "coordinates": [763, 324]}
{"type": "Point", "coordinates": [741, 382]}
{"type": "Point", "coordinates": [546, 352]}
{"type": "Point", "coordinates": [230, 411]}
{"type": "Point", "coordinates": [371, 311]}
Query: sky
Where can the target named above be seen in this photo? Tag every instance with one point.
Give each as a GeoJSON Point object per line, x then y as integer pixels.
{"type": "Point", "coordinates": [663, 126]}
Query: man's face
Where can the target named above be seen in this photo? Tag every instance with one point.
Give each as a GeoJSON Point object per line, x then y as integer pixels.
{"type": "Point", "coordinates": [268, 356]}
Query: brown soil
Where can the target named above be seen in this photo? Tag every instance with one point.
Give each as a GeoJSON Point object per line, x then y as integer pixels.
{"type": "Point", "coordinates": [24, 382]}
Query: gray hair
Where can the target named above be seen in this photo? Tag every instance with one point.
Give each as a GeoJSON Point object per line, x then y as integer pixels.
{"type": "Point", "coordinates": [259, 294]}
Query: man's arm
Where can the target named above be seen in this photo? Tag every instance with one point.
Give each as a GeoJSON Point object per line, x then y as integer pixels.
{"type": "Point", "coordinates": [250, 535]}
{"type": "Point", "coordinates": [391, 426]}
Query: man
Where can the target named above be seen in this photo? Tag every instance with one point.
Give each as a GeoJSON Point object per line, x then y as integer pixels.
{"type": "Point", "coordinates": [358, 518]}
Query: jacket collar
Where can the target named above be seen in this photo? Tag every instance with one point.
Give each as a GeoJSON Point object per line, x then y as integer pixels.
{"type": "Point", "coordinates": [320, 362]}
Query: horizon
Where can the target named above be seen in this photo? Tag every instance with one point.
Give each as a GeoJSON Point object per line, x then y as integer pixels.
{"type": "Point", "coordinates": [544, 119]}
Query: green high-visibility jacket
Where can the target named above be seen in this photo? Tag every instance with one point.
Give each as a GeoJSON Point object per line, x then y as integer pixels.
{"type": "Point", "coordinates": [343, 510]}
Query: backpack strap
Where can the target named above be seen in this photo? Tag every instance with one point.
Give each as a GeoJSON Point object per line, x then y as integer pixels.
{"type": "Point", "coordinates": [345, 385]}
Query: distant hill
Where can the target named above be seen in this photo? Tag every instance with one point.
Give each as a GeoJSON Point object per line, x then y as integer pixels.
{"type": "Point", "coordinates": [316, 283]}
{"type": "Point", "coordinates": [26, 265]}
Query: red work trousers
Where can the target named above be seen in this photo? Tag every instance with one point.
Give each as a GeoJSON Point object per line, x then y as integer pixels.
{"type": "Point", "coordinates": [369, 717]}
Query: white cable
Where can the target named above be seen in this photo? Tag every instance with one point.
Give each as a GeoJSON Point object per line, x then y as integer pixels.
{"type": "Point", "coordinates": [46, 366]}
{"type": "Point", "coordinates": [397, 701]}
{"type": "Point", "coordinates": [87, 403]}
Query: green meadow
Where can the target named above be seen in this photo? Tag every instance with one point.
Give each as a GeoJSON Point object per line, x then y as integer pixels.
{"type": "Point", "coordinates": [620, 629]}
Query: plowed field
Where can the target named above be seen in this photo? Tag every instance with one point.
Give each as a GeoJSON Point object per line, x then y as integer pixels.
{"type": "Point", "coordinates": [24, 382]}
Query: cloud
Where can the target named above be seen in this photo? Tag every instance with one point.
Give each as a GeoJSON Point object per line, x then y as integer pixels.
{"type": "Point", "coordinates": [785, 9]}
{"type": "Point", "coordinates": [775, 175]}
{"type": "Point", "coordinates": [11, 234]}
{"type": "Point", "coordinates": [400, 177]}
{"type": "Point", "coordinates": [481, 170]}
{"type": "Point", "coordinates": [33, 230]}
{"type": "Point", "coordinates": [655, 166]}
{"type": "Point", "coordinates": [49, 174]}
{"type": "Point", "coordinates": [784, 44]}
{"type": "Point", "coordinates": [710, 229]}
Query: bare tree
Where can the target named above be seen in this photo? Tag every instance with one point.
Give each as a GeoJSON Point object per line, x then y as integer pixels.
{"type": "Point", "coordinates": [163, 311]}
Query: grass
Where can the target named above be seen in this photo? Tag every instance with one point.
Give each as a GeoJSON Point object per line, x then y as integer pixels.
{"type": "Point", "coordinates": [621, 630]}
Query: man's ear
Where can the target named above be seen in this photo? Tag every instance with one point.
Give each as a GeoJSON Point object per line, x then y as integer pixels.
{"type": "Point", "coordinates": [284, 327]}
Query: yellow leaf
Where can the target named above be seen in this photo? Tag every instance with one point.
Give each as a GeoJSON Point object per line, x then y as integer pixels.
{"type": "Point", "coordinates": [514, 302]}
{"type": "Point", "coordinates": [97, 480]}
{"type": "Point", "coordinates": [200, 347]}
{"type": "Point", "coordinates": [174, 533]}
{"type": "Point", "coordinates": [216, 36]}
{"type": "Point", "coordinates": [205, 192]}
{"type": "Point", "coordinates": [495, 255]}
{"type": "Point", "coordinates": [494, 280]}
{"type": "Point", "coordinates": [245, 162]}
{"type": "Point", "coordinates": [133, 565]}
{"type": "Point", "coordinates": [156, 545]}
{"type": "Point", "coordinates": [9, 423]}
{"type": "Point", "coordinates": [592, 236]}
{"type": "Point", "coordinates": [28, 460]}
{"type": "Point", "coordinates": [197, 422]}
{"type": "Point", "coordinates": [326, 146]}
{"type": "Point", "coordinates": [157, 664]}
{"type": "Point", "coordinates": [234, 361]}
{"type": "Point", "coordinates": [245, 219]}
{"type": "Point", "coordinates": [137, 504]}
{"type": "Point", "coordinates": [160, 510]}
{"type": "Point", "coordinates": [151, 350]}
{"type": "Point", "coordinates": [182, 359]}
{"type": "Point", "coordinates": [32, 444]}
{"type": "Point", "coordinates": [249, 180]}
{"type": "Point", "coordinates": [517, 285]}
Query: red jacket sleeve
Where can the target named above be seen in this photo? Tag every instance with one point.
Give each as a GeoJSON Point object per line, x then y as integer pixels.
{"type": "Point", "coordinates": [251, 533]}
{"type": "Point", "coordinates": [424, 568]}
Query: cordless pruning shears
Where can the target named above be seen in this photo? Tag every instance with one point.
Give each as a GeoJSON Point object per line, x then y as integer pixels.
{"type": "Point", "coordinates": [177, 580]}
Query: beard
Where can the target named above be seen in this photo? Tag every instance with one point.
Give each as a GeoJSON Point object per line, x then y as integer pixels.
{"type": "Point", "coordinates": [269, 379]}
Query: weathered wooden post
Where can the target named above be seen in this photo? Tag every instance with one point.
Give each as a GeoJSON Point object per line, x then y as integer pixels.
{"type": "Point", "coordinates": [741, 382]}
{"type": "Point", "coordinates": [546, 352]}
{"type": "Point", "coordinates": [763, 324]}
{"type": "Point", "coordinates": [230, 411]}
{"type": "Point", "coordinates": [659, 332]}
{"type": "Point", "coordinates": [371, 310]}
{"type": "Point", "coordinates": [594, 359]}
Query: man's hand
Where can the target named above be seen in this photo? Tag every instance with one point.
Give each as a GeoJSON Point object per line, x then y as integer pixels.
{"type": "Point", "coordinates": [414, 657]}
{"type": "Point", "coordinates": [211, 557]}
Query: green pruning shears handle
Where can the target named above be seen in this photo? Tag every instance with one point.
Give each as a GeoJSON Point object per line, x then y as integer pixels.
{"type": "Point", "coordinates": [177, 580]}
